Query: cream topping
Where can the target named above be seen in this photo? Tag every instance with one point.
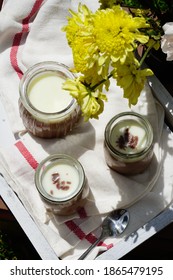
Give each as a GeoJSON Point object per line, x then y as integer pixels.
{"type": "Point", "coordinates": [46, 94]}
{"type": "Point", "coordinates": [128, 136]}
{"type": "Point", "coordinates": [61, 180]}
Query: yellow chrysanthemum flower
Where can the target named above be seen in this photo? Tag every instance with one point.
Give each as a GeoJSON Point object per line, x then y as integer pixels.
{"type": "Point", "coordinates": [91, 102]}
{"type": "Point", "coordinates": [78, 25]}
{"type": "Point", "coordinates": [99, 41]}
{"type": "Point", "coordinates": [80, 55]}
{"type": "Point", "coordinates": [131, 79]}
{"type": "Point", "coordinates": [80, 38]}
{"type": "Point", "coordinates": [116, 32]}
{"type": "Point", "coordinates": [92, 107]}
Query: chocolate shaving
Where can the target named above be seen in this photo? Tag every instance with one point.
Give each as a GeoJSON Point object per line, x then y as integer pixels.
{"type": "Point", "coordinates": [127, 140]}
{"type": "Point", "coordinates": [63, 185]}
{"type": "Point", "coordinates": [55, 178]}
{"type": "Point", "coordinates": [65, 188]}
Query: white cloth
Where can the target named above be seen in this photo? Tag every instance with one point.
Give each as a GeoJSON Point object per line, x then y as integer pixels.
{"type": "Point", "coordinates": [30, 32]}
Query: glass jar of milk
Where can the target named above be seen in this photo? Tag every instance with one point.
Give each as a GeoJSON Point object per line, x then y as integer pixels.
{"type": "Point", "coordinates": [46, 109]}
{"type": "Point", "coordinates": [128, 143]}
{"type": "Point", "coordinates": [61, 182]}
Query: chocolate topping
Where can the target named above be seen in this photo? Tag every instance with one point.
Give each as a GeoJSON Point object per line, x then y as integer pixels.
{"type": "Point", "coordinates": [127, 140]}
{"type": "Point", "coordinates": [60, 184]}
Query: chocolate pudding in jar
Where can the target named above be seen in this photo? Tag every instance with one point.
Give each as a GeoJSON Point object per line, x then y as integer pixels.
{"type": "Point", "coordinates": [46, 109]}
{"type": "Point", "coordinates": [61, 183]}
{"type": "Point", "coordinates": [128, 143]}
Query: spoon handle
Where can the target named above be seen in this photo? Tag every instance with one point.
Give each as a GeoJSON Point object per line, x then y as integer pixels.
{"type": "Point", "coordinates": [90, 248]}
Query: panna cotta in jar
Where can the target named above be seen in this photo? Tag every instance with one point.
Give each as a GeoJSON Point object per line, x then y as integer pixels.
{"type": "Point", "coordinates": [61, 182]}
{"type": "Point", "coordinates": [46, 109]}
{"type": "Point", "coordinates": [128, 143]}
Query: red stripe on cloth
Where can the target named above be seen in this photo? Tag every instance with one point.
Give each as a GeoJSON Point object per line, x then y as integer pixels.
{"type": "Point", "coordinates": [81, 235]}
{"type": "Point", "coordinates": [26, 154]}
{"type": "Point", "coordinates": [92, 238]}
{"type": "Point", "coordinates": [18, 36]}
{"type": "Point", "coordinates": [75, 229]}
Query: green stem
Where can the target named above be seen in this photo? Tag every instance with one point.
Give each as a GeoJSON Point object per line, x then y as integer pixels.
{"type": "Point", "coordinates": [101, 82]}
{"type": "Point", "coordinates": [146, 53]}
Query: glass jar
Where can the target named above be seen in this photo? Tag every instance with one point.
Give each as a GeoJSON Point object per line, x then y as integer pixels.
{"type": "Point", "coordinates": [128, 143]}
{"type": "Point", "coordinates": [46, 109]}
{"type": "Point", "coordinates": [61, 183]}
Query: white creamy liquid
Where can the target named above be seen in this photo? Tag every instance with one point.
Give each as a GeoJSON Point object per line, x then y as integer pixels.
{"type": "Point", "coordinates": [68, 177]}
{"type": "Point", "coordinates": [46, 94]}
{"type": "Point", "coordinates": [137, 134]}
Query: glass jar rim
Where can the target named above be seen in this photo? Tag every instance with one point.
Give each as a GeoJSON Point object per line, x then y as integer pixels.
{"type": "Point", "coordinates": [51, 161]}
{"type": "Point", "coordinates": [39, 68]}
{"type": "Point", "coordinates": [117, 152]}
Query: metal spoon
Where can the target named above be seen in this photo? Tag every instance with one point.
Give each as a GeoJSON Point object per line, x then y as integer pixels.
{"type": "Point", "coordinates": [113, 225]}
